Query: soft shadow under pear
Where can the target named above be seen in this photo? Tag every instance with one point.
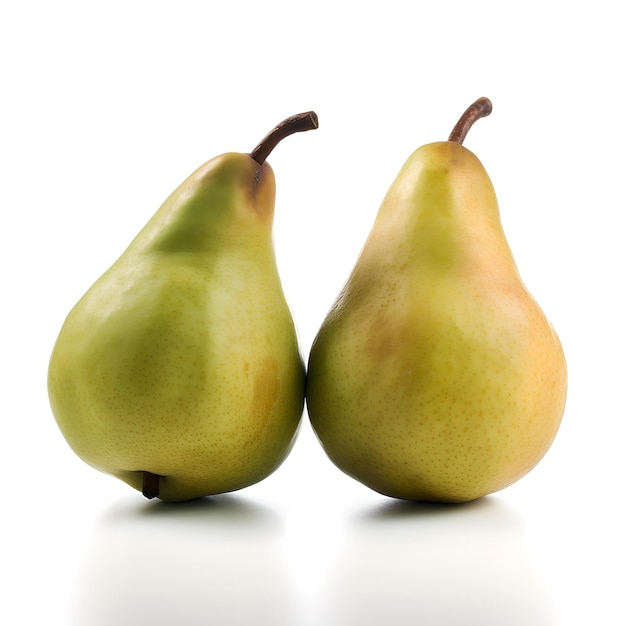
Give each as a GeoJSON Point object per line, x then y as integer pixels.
{"type": "Point", "coordinates": [441, 565]}
{"type": "Point", "coordinates": [213, 560]}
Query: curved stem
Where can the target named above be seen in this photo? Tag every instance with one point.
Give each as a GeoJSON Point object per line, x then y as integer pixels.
{"type": "Point", "coordinates": [150, 487]}
{"type": "Point", "coordinates": [294, 124]}
{"type": "Point", "coordinates": [481, 108]}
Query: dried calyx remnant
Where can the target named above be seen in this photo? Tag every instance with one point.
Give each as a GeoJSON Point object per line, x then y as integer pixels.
{"type": "Point", "coordinates": [150, 487]}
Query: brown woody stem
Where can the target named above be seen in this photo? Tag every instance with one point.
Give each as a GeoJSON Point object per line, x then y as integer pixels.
{"type": "Point", "coordinates": [150, 487]}
{"type": "Point", "coordinates": [294, 124]}
{"type": "Point", "coordinates": [481, 108]}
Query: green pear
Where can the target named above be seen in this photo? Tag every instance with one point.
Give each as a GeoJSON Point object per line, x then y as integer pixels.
{"type": "Point", "coordinates": [435, 376]}
{"type": "Point", "coordinates": [179, 370]}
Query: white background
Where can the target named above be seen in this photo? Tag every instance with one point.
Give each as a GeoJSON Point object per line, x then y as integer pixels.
{"type": "Point", "coordinates": [106, 107]}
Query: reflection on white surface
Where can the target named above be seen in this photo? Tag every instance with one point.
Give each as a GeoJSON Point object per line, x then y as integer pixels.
{"type": "Point", "coordinates": [212, 561]}
{"type": "Point", "coordinates": [224, 561]}
{"type": "Point", "coordinates": [436, 565]}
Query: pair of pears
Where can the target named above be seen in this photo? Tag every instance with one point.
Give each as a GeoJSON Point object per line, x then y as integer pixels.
{"type": "Point", "coordinates": [435, 375]}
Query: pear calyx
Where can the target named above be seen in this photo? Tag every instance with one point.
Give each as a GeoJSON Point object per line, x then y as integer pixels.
{"type": "Point", "coordinates": [150, 486]}
{"type": "Point", "coordinates": [481, 108]}
{"type": "Point", "coordinates": [294, 124]}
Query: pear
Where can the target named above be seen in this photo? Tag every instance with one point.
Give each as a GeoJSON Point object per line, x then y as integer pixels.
{"type": "Point", "coordinates": [435, 376]}
{"type": "Point", "coordinates": [179, 370]}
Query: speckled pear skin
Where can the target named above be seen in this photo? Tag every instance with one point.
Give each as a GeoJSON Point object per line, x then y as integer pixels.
{"type": "Point", "coordinates": [436, 376]}
{"type": "Point", "coordinates": [182, 359]}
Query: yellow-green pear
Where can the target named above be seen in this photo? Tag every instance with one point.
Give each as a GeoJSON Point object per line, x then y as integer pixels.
{"type": "Point", "coordinates": [435, 376]}
{"type": "Point", "coordinates": [179, 370]}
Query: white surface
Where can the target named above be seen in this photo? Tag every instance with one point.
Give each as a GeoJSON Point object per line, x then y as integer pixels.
{"type": "Point", "coordinates": [106, 107]}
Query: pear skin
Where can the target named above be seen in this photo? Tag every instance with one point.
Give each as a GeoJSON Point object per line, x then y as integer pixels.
{"type": "Point", "coordinates": [179, 370]}
{"type": "Point", "coordinates": [436, 376]}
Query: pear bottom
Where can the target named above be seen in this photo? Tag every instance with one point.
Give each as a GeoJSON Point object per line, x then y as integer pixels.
{"type": "Point", "coordinates": [202, 446]}
{"type": "Point", "coordinates": [442, 462]}
{"type": "Point", "coordinates": [183, 485]}
{"type": "Point", "coordinates": [143, 378]}
{"type": "Point", "coordinates": [448, 412]}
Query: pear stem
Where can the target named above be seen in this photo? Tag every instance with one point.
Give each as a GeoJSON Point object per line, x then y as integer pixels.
{"type": "Point", "coordinates": [294, 124]}
{"type": "Point", "coordinates": [481, 108]}
{"type": "Point", "coordinates": [150, 487]}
